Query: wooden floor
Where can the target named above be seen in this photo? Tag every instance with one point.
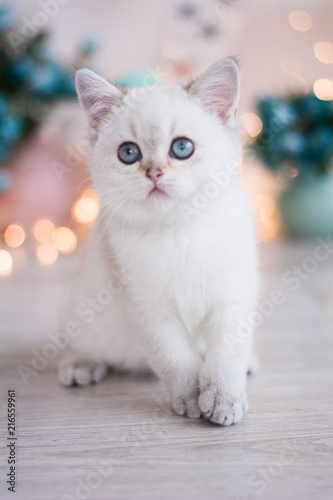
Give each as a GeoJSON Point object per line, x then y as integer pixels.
{"type": "Point", "coordinates": [119, 440]}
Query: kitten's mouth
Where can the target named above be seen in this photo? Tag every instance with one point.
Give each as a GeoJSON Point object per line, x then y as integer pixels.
{"type": "Point", "coordinates": [157, 192]}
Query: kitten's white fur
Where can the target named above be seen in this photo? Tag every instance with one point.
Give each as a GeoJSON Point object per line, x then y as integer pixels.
{"type": "Point", "coordinates": [160, 274]}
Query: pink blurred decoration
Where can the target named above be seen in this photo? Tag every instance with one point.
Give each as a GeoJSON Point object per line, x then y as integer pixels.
{"type": "Point", "coordinates": [36, 191]}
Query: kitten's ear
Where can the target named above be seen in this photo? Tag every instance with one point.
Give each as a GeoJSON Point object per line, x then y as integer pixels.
{"type": "Point", "coordinates": [96, 95]}
{"type": "Point", "coordinates": [218, 88]}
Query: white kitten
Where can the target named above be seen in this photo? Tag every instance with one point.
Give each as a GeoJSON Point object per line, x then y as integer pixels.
{"type": "Point", "coordinates": [172, 256]}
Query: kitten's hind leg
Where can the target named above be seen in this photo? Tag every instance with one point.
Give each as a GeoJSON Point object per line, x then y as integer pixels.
{"type": "Point", "coordinates": [74, 371]}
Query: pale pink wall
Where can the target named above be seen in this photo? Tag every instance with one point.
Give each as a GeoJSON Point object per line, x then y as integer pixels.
{"type": "Point", "coordinates": [132, 33]}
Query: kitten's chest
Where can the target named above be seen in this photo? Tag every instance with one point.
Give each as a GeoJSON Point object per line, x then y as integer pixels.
{"type": "Point", "coordinates": [181, 269]}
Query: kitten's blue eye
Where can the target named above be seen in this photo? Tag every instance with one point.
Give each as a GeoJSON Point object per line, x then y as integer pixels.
{"type": "Point", "coordinates": [129, 153]}
{"type": "Point", "coordinates": [182, 148]}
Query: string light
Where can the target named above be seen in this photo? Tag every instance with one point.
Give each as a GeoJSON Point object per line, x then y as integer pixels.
{"type": "Point", "coordinates": [6, 263]}
{"type": "Point", "coordinates": [64, 240]}
{"type": "Point", "coordinates": [323, 89]}
{"type": "Point", "coordinates": [300, 20]}
{"type": "Point", "coordinates": [43, 230]}
{"type": "Point", "coordinates": [252, 123]}
{"type": "Point", "coordinates": [46, 253]}
{"type": "Point", "coordinates": [14, 235]}
{"type": "Point", "coordinates": [323, 52]}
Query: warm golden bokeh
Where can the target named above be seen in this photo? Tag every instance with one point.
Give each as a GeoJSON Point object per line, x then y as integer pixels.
{"type": "Point", "coordinates": [46, 253]}
{"type": "Point", "coordinates": [64, 240]}
{"type": "Point", "coordinates": [43, 230]}
{"type": "Point", "coordinates": [269, 223]}
{"type": "Point", "coordinates": [14, 235]}
{"type": "Point", "coordinates": [85, 210]}
{"type": "Point", "coordinates": [252, 123]}
{"type": "Point", "coordinates": [323, 89]}
{"type": "Point", "coordinates": [300, 20]}
{"type": "Point", "coordinates": [6, 263]}
{"type": "Point", "coordinates": [323, 52]}
{"type": "Point", "coordinates": [89, 193]}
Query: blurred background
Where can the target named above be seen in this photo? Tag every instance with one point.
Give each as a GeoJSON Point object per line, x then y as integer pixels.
{"type": "Point", "coordinates": [285, 48]}
{"type": "Point", "coordinates": [47, 207]}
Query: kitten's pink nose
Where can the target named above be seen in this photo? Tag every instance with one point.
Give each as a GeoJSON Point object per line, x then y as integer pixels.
{"type": "Point", "coordinates": [153, 173]}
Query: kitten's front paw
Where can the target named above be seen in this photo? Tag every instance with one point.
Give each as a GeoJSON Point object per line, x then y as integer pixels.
{"type": "Point", "coordinates": [187, 404]}
{"type": "Point", "coordinates": [184, 396]}
{"type": "Point", "coordinates": [82, 373]}
{"type": "Point", "coordinates": [223, 407]}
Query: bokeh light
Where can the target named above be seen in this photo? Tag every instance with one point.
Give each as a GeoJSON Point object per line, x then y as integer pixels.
{"type": "Point", "coordinates": [43, 230]}
{"type": "Point", "coordinates": [294, 172]}
{"type": "Point", "coordinates": [14, 235]}
{"type": "Point", "coordinates": [46, 253]}
{"type": "Point", "coordinates": [269, 223]}
{"type": "Point", "coordinates": [266, 205]}
{"type": "Point", "coordinates": [323, 89]}
{"type": "Point", "coordinates": [6, 263]}
{"type": "Point", "coordinates": [64, 240]}
{"type": "Point", "coordinates": [174, 48]}
{"type": "Point", "coordinates": [300, 20]}
{"type": "Point", "coordinates": [269, 232]}
{"type": "Point", "coordinates": [85, 210]}
{"type": "Point", "coordinates": [252, 123]}
{"type": "Point", "coordinates": [323, 52]}
{"type": "Point", "coordinates": [89, 193]}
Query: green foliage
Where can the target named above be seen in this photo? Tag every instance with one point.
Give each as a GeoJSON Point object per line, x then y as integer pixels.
{"type": "Point", "coordinates": [297, 131]}
{"type": "Point", "coordinates": [31, 82]}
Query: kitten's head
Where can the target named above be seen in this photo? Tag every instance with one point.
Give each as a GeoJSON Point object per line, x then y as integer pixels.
{"type": "Point", "coordinates": [152, 149]}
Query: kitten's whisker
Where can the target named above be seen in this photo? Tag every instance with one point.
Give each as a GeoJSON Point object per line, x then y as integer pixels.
{"type": "Point", "coordinates": [119, 202]}
{"type": "Point", "coordinates": [110, 191]}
